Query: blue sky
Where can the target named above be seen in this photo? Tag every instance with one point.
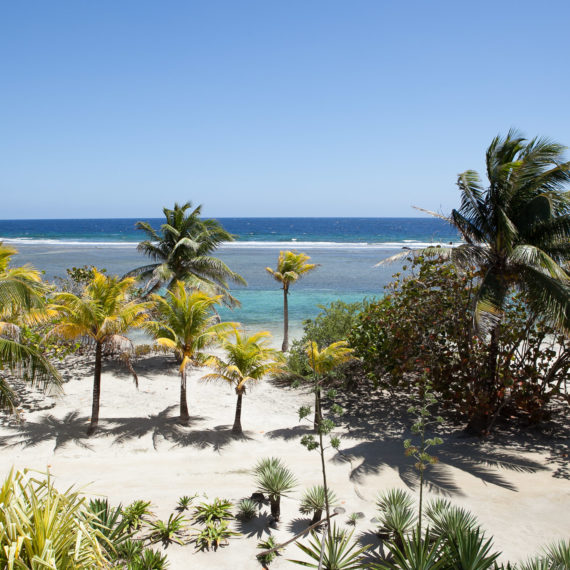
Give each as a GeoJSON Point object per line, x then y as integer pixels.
{"type": "Point", "coordinates": [267, 108]}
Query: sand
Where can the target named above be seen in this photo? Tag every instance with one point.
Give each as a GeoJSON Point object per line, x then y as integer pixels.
{"type": "Point", "coordinates": [519, 489]}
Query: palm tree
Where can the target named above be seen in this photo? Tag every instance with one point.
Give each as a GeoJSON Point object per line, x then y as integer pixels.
{"type": "Point", "coordinates": [101, 315]}
{"type": "Point", "coordinates": [276, 480]}
{"type": "Point", "coordinates": [21, 295]}
{"type": "Point", "coordinates": [182, 252]}
{"type": "Point", "coordinates": [186, 324]}
{"type": "Point", "coordinates": [291, 266]}
{"type": "Point", "coordinates": [248, 360]}
{"type": "Point", "coordinates": [517, 231]}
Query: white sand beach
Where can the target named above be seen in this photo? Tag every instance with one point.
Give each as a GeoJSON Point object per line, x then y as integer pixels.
{"type": "Point", "coordinates": [519, 491]}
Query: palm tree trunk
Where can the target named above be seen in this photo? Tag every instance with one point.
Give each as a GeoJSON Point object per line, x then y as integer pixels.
{"type": "Point", "coordinates": [236, 430]}
{"type": "Point", "coordinates": [275, 507]}
{"type": "Point", "coordinates": [317, 516]}
{"type": "Point", "coordinates": [285, 345]}
{"type": "Point", "coordinates": [184, 415]}
{"type": "Point", "coordinates": [96, 389]}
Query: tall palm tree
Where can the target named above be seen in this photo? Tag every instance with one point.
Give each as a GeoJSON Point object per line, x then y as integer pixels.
{"type": "Point", "coordinates": [186, 324]}
{"type": "Point", "coordinates": [248, 359]}
{"type": "Point", "coordinates": [21, 294]}
{"type": "Point", "coordinates": [517, 231]}
{"type": "Point", "coordinates": [182, 251]}
{"type": "Point", "coordinates": [291, 266]}
{"type": "Point", "coordinates": [101, 315]}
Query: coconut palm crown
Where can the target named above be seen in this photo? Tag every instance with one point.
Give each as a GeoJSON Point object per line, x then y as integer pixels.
{"type": "Point", "coordinates": [248, 359]}
{"type": "Point", "coordinates": [291, 266]}
{"type": "Point", "coordinates": [186, 324]}
{"type": "Point", "coordinates": [182, 251]}
{"type": "Point", "coordinates": [101, 315]}
{"type": "Point", "coordinates": [21, 295]}
{"type": "Point", "coordinates": [517, 230]}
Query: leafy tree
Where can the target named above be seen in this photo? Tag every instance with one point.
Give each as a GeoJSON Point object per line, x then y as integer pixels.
{"type": "Point", "coordinates": [187, 325]}
{"type": "Point", "coordinates": [291, 266]}
{"type": "Point", "coordinates": [248, 359]}
{"type": "Point", "coordinates": [100, 316]}
{"type": "Point", "coordinates": [276, 480]}
{"type": "Point", "coordinates": [21, 301]}
{"type": "Point", "coordinates": [182, 251]}
{"type": "Point", "coordinates": [517, 232]}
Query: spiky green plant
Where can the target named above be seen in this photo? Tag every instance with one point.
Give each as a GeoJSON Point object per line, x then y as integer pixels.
{"type": "Point", "coordinates": [129, 550]}
{"type": "Point", "coordinates": [267, 544]}
{"type": "Point", "coordinates": [214, 535]}
{"type": "Point", "coordinates": [110, 522]}
{"type": "Point", "coordinates": [184, 502]}
{"type": "Point", "coordinates": [353, 518]}
{"type": "Point", "coordinates": [470, 550]}
{"type": "Point", "coordinates": [276, 480]}
{"type": "Point", "coordinates": [41, 527]}
{"type": "Point", "coordinates": [149, 560]}
{"type": "Point", "coordinates": [171, 530]}
{"type": "Point", "coordinates": [556, 557]}
{"type": "Point", "coordinates": [247, 509]}
{"type": "Point", "coordinates": [137, 513]}
{"type": "Point", "coordinates": [314, 501]}
{"type": "Point", "coordinates": [446, 521]}
{"type": "Point", "coordinates": [396, 513]}
{"type": "Point", "coordinates": [339, 551]}
{"type": "Point", "coordinates": [218, 510]}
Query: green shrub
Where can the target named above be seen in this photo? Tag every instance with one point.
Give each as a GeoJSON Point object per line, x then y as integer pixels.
{"type": "Point", "coordinates": [171, 530]}
{"type": "Point", "coordinates": [217, 511]}
{"type": "Point", "coordinates": [137, 513]}
{"type": "Point", "coordinates": [214, 535]}
{"type": "Point", "coordinates": [247, 509]}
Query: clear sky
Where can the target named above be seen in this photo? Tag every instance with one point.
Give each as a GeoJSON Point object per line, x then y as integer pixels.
{"type": "Point", "coordinates": [116, 108]}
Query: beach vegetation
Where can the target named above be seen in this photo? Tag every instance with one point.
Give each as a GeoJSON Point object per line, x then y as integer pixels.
{"type": "Point", "coordinates": [247, 509]}
{"type": "Point", "coordinates": [247, 360]}
{"type": "Point", "coordinates": [182, 251]}
{"type": "Point", "coordinates": [291, 266]}
{"type": "Point", "coordinates": [218, 510]}
{"type": "Point", "coordinates": [214, 535]}
{"type": "Point", "coordinates": [184, 323]}
{"type": "Point", "coordinates": [274, 479]}
{"type": "Point", "coordinates": [353, 518]}
{"type": "Point", "coordinates": [396, 514]}
{"type": "Point", "coordinates": [100, 317]}
{"type": "Point", "coordinates": [22, 301]}
{"type": "Point", "coordinates": [314, 502]}
{"type": "Point", "coordinates": [168, 531]}
{"type": "Point", "coordinates": [266, 558]}
{"type": "Point", "coordinates": [184, 502]}
{"type": "Point", "coordinates": [334, 551]}
{"type": "Point", "coordinates": [137, 513]}
{"type": "Point", "coordinates": [110, 522]}
{"type": "Point", "coordinates": [42, 527]}
{"type": "Point", "coordinates": [148, 559]}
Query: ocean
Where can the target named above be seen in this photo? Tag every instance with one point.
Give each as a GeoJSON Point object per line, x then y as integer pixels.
{"type": "Point", "coordinates": [346, 249]}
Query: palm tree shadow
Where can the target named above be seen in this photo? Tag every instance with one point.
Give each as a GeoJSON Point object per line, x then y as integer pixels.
{"type": "Point", "coordinates": [290, 433]}
{"type": "Point", "coordinates": [257, 526]}
{"type": "Point", "coordinates": [163, 426]}
{"type": "Point", "coordinates": [72, 428]}
{"type": "Point", "coordinates": [217, 437]}
{"type": "Point", "coordinates": [298, 525]}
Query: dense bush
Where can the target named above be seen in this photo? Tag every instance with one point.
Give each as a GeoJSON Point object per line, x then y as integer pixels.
{"type": "Point", "coordinates": [423, 328]}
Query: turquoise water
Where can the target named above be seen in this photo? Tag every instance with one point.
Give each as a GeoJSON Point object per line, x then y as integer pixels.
{"type": "Point", "coordinates": [346, 250]}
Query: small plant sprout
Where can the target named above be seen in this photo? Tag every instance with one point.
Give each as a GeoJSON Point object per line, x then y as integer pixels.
{"type": "Point", "coordinates": [184, 503]}
{"type": "Point", "coordinates": [247, 509]}
{"type": "Point", "coordinates": [424, 420]}
{"type": "Point", "coordinates": [214, 535]}
{"type": "Point", "coordinates": [353, 518]}
{"type": "Point", "coordinates": [136, 514]}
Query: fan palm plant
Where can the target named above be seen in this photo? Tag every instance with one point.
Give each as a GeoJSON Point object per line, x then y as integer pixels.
{"type": "Point", "coordinates": [314, 501]}
{"type": "Point", "coordinates": [182, 251]}
{"type": "Point", "coordinates": [21, 295]}
{"type": "Point", "coordinates": [274, 479]}
{"type": "Point", "coordinates": [186, 324]}
{"type": "Point", "coordinates": [291, 266]}
{"type": "Point", "coordinates": [248, 359]}
{"type": "Point", "coordinates": [100, 316]}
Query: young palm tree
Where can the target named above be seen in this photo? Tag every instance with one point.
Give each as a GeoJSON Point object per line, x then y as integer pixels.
{"type": "Point", "coordinates": [291, 266]}
{"type": "Point", "coordinates": [248, 360]}
{"type": "Point", "coordinates": [21, 297]}
{"type": "Point", "coordinates": [186, 324]}
{"type": "Point", "coordinates": [101, 315]}
{"type": "Point", "coordinates": [182, 251]}
{"type": "Point", "coordinates": [276, 480]}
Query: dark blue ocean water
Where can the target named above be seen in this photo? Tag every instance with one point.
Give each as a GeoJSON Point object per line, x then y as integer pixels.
{"type": "Point", "coordinates": [346, 249]}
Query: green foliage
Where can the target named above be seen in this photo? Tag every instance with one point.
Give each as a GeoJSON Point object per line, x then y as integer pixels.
{"type": "Point", "coordinates": [556, 557]}
{"type": "Point", "coordinates": [446, 521]}
{"type": "Point", "coordinates": [268, 544]}
{"type": "Point", "coordinates": [41, 527]}
{"type": "Point", "coordinates": [137, 513]}
{"type": "Point", "coordinates": [332, 324]}
{"type": "Point", "coordinates": [274, 479]}
{"type": "Point", "coordinates": [340, 551]}
{"type": "Point", "coordinates": [171, 530]}
{"type": "Point", "coordinates": [217, 511]}
{"type": "Point", "coordinates": [149, 560]}
{"type": "Point", "coordinates": [129, 549]}
{"type": "Point", "coordinates": [314, 500]}
{"type": "Point", "coordinates": [184, 502]}
{"type": "Point", "coordinates": [247, 509]}
{"type": "Point", "coordinates": [415, 553]}
{"type": "Point", "coordinates": [109, 521]}
{"type": "Point", "coordinates": [214, 535]}
{"type": "Point", "coordinates": [396, 513]}
{"type": "Point", "coordinates": [353, 518]}
{"type": "Point", "coordinates": [423, 326]}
